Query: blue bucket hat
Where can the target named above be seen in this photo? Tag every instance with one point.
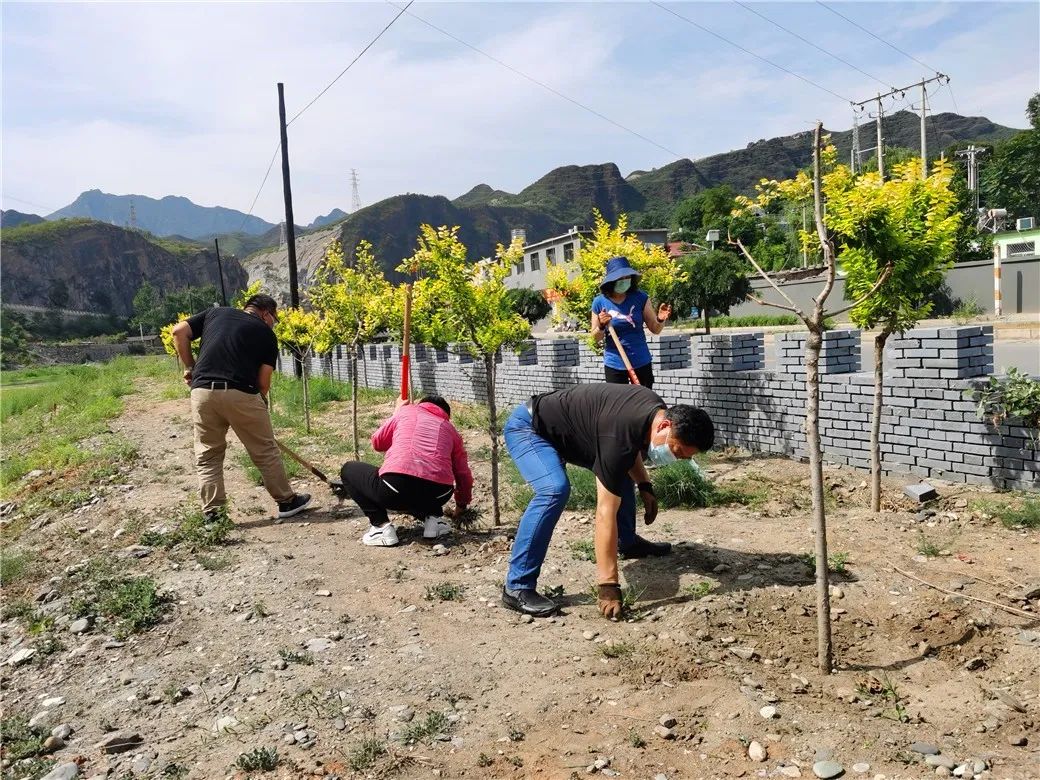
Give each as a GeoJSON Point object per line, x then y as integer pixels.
{"type": "Point", "coordinates": [618, 268]}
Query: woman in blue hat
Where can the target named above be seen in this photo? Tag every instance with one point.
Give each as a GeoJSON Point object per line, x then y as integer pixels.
{"type": "Point", "coordinates": [622, 304]}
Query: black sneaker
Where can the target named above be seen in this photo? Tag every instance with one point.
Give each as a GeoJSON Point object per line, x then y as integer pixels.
{"type": "Point", "coordinates": [643, 548]}
{"type": "Point", "coordinates": [530, 602]}
{"type": "Point", "coordinates": [294, 505]}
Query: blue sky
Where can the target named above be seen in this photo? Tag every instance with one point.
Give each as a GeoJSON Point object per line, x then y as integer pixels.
{"type": "Point", "coordinates": [180, 99]}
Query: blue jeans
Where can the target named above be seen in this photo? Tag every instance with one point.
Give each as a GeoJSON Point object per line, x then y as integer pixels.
{"type": "Point", "coordinates": [543, 469]}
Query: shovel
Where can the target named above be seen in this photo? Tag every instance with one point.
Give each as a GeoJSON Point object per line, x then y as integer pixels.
{"type": "Point", "coordinates": [338, 490]}
{"type": "Point", "coordinates": [624, 357]}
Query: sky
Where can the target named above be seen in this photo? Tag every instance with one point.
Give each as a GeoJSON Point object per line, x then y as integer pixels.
{"type": "Point", "coordinates": [180, 98]}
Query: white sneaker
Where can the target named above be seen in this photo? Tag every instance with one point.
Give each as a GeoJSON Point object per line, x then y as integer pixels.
{"type": "Point", "coordinates": [434, 527]}
{"type": "Point", "coordinates": [380, 536]}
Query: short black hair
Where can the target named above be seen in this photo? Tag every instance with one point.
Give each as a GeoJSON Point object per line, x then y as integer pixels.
{"type": "Point", "coordinates": [436, 400]}
{"type": "Point", "coordinates": [692, 426]}
{"type": "Point", "coordinates": [263, 302]}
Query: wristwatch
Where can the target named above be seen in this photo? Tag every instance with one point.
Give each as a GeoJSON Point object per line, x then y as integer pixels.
{"type": "Point", "coordinates": [646, 487]}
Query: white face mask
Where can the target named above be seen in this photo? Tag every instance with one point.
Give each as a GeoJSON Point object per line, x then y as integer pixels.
{"type": "Point", "coordinates": [660, 454]}
{"type": "Point", "coordinates": [623, 285]}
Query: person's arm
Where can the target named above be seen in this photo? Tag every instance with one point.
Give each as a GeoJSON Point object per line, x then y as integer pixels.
{"type": "Point", "coordinates": [641, 477]}
{"type": "Point", "coordinates": [599, 322]}
{"type": "Point", "coordinates": [263, 379]}
{"type": "Point", "coordinates": [384, 437]}
{"type": "Point", "coordinates": [655, 320]}
{"type": "Point", "coordinates": [182, 338]}
{"type": "Point", "coordinates": [605, 538]}
{"type": "Point", "coordinates": [463, 475]}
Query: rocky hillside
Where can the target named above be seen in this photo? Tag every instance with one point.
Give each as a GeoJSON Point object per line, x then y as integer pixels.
{"type": "Point", "coordinates": [87, 265]}
{"type": "Point", "coordinates": [168, 216]}
{"type": "Point", "coordinates": [392, 226]}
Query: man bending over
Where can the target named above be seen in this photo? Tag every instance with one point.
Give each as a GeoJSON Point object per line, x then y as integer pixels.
{"type": "Point", "coordinates": [608, 429]}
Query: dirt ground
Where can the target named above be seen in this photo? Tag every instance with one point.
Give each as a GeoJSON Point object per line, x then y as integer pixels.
{"type": "Point", "coordinates": [482, 694]}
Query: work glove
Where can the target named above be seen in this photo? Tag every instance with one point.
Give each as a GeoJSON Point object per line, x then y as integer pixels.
{"type": "Point", "coordinates": [609, 600]}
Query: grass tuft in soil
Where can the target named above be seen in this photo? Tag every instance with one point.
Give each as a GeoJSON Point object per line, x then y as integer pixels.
{"type": "Point", "coordinates": [259, 760]}
{"type": "Point", "coordinates": [1015, 514]}
{"type": "Point", "coordinates": [426, 729]}
{"type": "Point", "coordinates": [192, 529]}
{"type": "Point", "coordinates": [19, 740]}
{"type": "Point", "coordinates": [445, 591]}
{"type": "Point", "coordinates": [366, 753]}
{"type": "Point", "coordinates": [133, 604]}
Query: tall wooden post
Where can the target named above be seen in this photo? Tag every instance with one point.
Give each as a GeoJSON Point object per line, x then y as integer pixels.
{"type": "Point", "coordinates": [290, 226]}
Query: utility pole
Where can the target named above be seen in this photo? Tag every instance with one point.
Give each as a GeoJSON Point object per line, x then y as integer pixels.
{"type": "Point", "coordinates": [900, 92]}
{"type": "Point", "coordinates": [855, 143]}
{"type": "Point", "coordinates": [290, 226]}
{"type": "Point", "coordinates": [880, 139]}
{"type": "Point", "coordinates": [924, 135]}
{"type": "Point", "coordinates": [220, 272]}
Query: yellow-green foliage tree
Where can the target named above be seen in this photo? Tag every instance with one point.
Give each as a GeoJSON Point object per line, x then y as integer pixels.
{"type": "Point", "coordinates": [576, 290]}
{"type": "Point", "coordinates": [306, 334]}
{"type": "Point", "coordinates": [457, 301]}
{"type": "Point", "coordinates": [354, 301]}
{"type": "Point", "coordinates": [240, 298]}
{"type": "Point", "coordinates": [166, 337]}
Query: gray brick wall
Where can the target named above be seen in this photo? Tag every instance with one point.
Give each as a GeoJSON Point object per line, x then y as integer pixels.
{"type": "Point", "coordinates": [928, 427]}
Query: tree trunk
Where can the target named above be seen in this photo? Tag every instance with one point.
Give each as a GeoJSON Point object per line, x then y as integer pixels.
{"type": "Point", "coordinates": [707, 323]}
{"type": "Point", "coordinates": [353, 403]}
{"type": "Point", "coordinates": [306, 394]}
{"type": "Point", "coordinates": [875, 421]}
{"type": "Point", "coordinates": [813, 344]}
{"type": "Point", "coordinates": [489, 369]}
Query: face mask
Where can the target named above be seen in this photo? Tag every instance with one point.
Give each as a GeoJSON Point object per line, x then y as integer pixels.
{"type": "Point", "coordinates": [660, 454]}
{"type": "Point", "coordinates": [622, 285]}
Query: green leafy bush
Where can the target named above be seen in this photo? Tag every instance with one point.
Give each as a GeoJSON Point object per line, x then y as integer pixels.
{"type": "Point", "coordinates": [1016, 397]}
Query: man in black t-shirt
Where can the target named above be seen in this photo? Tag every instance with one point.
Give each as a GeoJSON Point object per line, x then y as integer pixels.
{"type": "Point", "coordinates": [605, 428]}
{"type": "Point", "coordinates": [229, 384]}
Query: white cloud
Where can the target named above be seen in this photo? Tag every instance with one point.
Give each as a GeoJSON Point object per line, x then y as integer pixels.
{"type": "Point", "coordinates": [180, 99]}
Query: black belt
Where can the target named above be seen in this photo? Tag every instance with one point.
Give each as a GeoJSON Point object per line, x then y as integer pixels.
{"type": "Point", "coordinates": [222, 385]}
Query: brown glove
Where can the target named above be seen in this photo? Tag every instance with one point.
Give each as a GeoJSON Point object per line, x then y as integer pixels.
{"type": "Point", "coordinates": [610, 600]}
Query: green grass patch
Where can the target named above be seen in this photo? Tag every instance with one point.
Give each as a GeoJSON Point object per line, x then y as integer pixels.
{"type": "Point", "coordinates": [583, 550]}
{"type": "Point", "coordinates": [616, 649]}
{"type": "Point", "coordinates": [20, 741]}
{"type": "Point", "coordinates": [837, 563]}
{"type": "Point", "coordinates": [191, 529]}
{"type": "Point", "coordinates": [682, 486]}
{"type": "Point", "coordinates": [296, 657]}
{"type": "Point", "coordinates": [1018, 513]}
{"type": "Point", "coordinates": [258, 760]}
{"type": "Point", "coordinates": [133, 604]}
{"type": "Point", "coordinates": [445, 591]}
{"type": "Point", "coordinates": [697, 590]}
{"type": "Point", "coordinates": [52, 410]}
{"type": "Point", "coordinates": [366, 753]}
{"type": "Point", "coordinates": [215, 562]}
{"type": "Point", "coordinates": [14, 565]}
{"type": "Point", "coordinates": [426, 729]}
{"type": "Point", "coordinates": [927, 547]}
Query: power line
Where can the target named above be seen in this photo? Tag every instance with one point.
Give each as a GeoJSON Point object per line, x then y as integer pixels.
{"type": "Point", "coordinates": [351, 64]}
{"type": "Point", "coordinates": [314, 100]}
{"type": "Point", "coordinates": [831, 54]}
{"type": "Point", "coordinates": [878, 37]}
{"type": "Point", "coordinates": [541, 84]}
{"type": "Point", "coordinates": [749, 52]}
{"type": "Point", "coordinates": [30, 203]}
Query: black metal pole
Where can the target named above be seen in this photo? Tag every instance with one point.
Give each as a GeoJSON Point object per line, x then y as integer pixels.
{"type": "Point", "coordinates": [290, 227]}
{"type": "Point", "coordinates": [220, 272]}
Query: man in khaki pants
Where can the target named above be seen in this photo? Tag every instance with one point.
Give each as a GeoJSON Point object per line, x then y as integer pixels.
{"type": "Point", "coordinates": [229, 384]}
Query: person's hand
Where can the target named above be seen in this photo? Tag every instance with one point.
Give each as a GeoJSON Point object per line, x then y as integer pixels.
{"type": "Point", "coordinates": [649, 507]}
{"type": "Point", "coordinates": [664, 311]}
{"type": "Point", "coordinates": [187, 377]}
{"type": "Point", "coordinates": [400, 402]}
{"type": "Point", "coordinates": [609, 601]}
{"type": "Point", "coordinates": [454, 512]}
{"type": "Point", "coordinates": [604, 318]}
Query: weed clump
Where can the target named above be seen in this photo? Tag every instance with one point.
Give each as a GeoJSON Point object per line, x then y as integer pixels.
{"type": "Point", "coordinates": [192, 529]}
{"type": "Point", "coordinates": [259, 760]}
{"type": "Point", "coordinates": [444, 591]}
{"type": "Point", "coordinates": [428, 728]}
{"type": "Point", "coordinates": [683, 485]}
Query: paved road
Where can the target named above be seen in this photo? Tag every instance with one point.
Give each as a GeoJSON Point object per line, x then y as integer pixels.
{"type": "Point", "coordinates": [1020, 353]}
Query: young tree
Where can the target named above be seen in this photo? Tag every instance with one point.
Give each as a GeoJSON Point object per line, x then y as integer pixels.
{"type": "Point", "coordinates": [814, 323]}
{"type": "Point", "coordinates": [306, 334]}
{"type": "Point", "coordinates": [906, 226]}
{"type": "Point", "coordinates": [453, 301]}
{"type": "Point", "coordinates": [659, 273]}
{"type": "Point", "coordinates": [148, 308]}
{"type": "Point", "coordinates": [715, 279]}
{"type": "Point", "coordinates": [353, 300]}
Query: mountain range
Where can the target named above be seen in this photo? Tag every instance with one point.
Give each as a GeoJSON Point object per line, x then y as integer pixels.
{"type": "Point", "coordinates": [485, 215]}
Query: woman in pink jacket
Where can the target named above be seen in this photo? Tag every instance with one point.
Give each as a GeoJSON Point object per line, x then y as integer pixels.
{"type": "Point", "coordinates": [425, 463]}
